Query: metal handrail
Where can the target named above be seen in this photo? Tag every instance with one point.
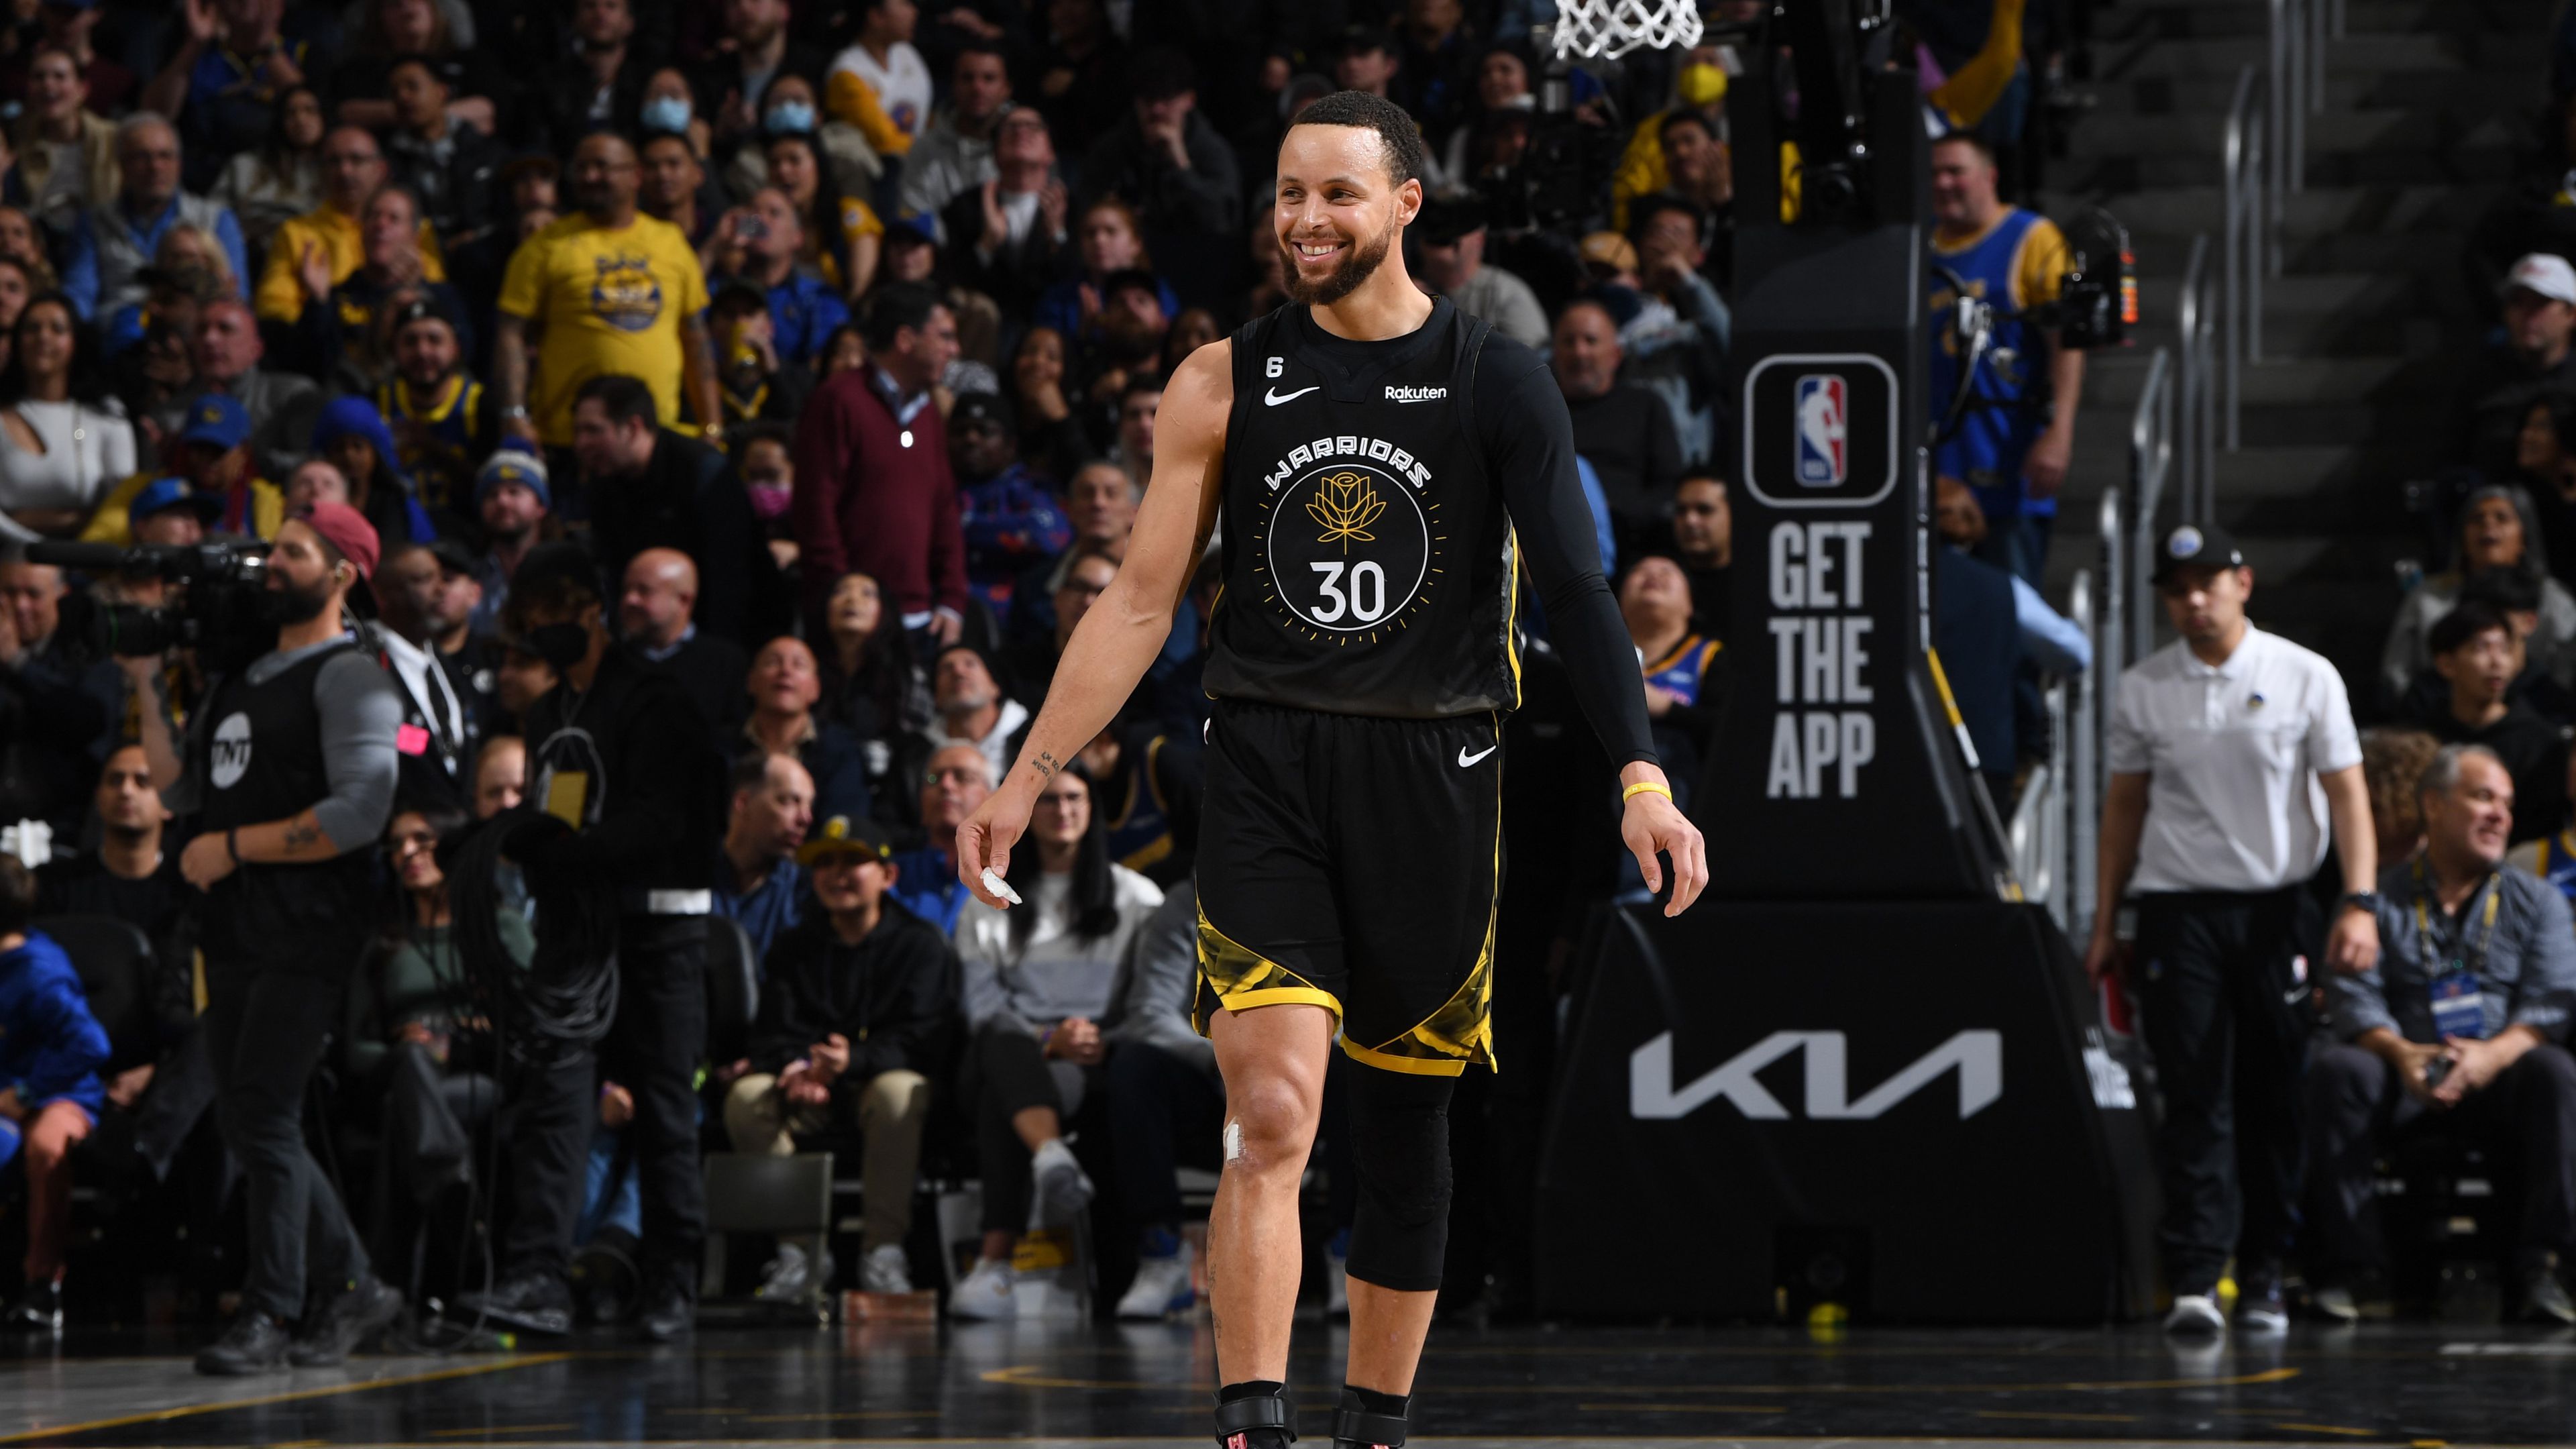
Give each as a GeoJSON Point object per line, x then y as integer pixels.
{"type": "Point", "coordinates": [2196, 437]}
{"type": "Point", "coordinates": [2151, 451]}
{"type": "Point", "coordinates": [2245, 259]}
{"type": "Point", "coordinates": [2082, 786]}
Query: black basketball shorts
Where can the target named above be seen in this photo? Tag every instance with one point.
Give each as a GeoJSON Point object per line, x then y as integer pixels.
{"type": "Point", "coordinates": [1352, 863]}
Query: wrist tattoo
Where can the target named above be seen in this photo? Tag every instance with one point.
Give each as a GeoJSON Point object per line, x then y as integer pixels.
{"type": "Point", "coordinates": [301, 832]}
{"type": "Point", "coordinates": [1046, 765]}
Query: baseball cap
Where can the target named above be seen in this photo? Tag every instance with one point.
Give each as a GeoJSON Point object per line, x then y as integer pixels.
{"type": "Point", "coordinates": [216, 421]}
{"type": "Point", "coordinates": [2196, 546]}
{"type": "Point", "coordinates": [981, 407]}
{"type": "Point", "coordinates": [1609, 249]}
{"type": "Point", "coordinates": [913, 226]}
{"type": "Point", "coordinates": [510, 465]}
{"type": "Point", "coordinates": [2545, 273]}
{"type": "Point", "coordinates": [349, 532]}
{"type": "Point", "coordinates": [162, 494]}
{"type": "Point", "coordinates": [845, 835]}
{"type": "Point", "coordinates": [453, 557]}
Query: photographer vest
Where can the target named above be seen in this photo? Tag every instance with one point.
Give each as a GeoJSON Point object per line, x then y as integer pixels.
{"type": "Point", "coordinates": [261, 760]}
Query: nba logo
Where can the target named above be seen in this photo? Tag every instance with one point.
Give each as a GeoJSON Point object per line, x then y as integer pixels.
{"type": "Point", "coordinates": [1820, 430]}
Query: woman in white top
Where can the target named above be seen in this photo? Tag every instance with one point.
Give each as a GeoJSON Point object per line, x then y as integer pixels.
{"type": "Point", "coordinates": [1039, 979]}
{"type": "Point", "coordinates": [63, 441]}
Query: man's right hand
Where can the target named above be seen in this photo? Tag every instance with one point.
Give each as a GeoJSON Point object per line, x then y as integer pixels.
{"type": "Point", "coordinates": [986, 837]}
{"type": "Point", "coordinates": [2105, 957]}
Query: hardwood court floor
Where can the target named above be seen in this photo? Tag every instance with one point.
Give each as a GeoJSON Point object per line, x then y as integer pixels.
{"type": "Point", "coordinates": [1079, 1385]}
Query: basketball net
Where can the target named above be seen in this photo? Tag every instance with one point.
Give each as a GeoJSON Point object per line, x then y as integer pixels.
{"type": "Point", "coordinates": [1612, 28]}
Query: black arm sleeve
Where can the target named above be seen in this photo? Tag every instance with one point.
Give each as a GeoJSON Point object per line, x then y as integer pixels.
{"type": "Point", "coordinates": [1529, 444]}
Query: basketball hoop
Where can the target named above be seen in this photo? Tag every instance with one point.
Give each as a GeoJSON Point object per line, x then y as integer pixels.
{"type": "Point", "coordinates": [1613, 28]}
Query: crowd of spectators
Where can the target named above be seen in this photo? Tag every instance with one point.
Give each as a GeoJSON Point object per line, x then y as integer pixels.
{"type": "Point", "coordinates": [835, 334]}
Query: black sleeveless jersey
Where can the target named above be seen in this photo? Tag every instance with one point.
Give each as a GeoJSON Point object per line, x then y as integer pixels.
{"type": "Point", "coordinates": [1369, 561]}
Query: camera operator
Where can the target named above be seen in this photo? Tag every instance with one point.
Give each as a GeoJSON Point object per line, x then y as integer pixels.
{"type": "Point", "coordinates": [617, 752]}
{"type": "Point", "coordinates": [290, 772]}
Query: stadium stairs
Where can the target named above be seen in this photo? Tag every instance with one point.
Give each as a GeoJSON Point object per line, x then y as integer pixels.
{"type": "Point", "coordinates": [2427, 103]}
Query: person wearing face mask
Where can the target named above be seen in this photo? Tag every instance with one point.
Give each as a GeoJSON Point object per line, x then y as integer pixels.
{"type": "Point", "coordinates": [625, 771]}
{"type": "Point", "coordinates": [729, 85]}
{"type": "Point", "coordinates": [765, 457]}
{"type": "Point", "coordinates": [290, 768]}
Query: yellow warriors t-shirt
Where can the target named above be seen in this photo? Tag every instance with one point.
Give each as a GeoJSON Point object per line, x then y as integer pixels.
{"type": "Point", "coordinates": [603, 301]}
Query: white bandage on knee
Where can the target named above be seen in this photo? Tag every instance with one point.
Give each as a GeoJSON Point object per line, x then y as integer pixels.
{"type": "Point", "coordinates": [1233, 1142]}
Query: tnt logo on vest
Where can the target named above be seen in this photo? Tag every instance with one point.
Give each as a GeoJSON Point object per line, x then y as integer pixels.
{"type": "Point", "coordinates": [1820, 430]}
{"type": "Point", "coordinates": [230, 759]}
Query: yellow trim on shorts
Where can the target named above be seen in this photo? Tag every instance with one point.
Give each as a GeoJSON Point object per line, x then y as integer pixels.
{"type": "Point", "coordinates": [1415, 1066]}
{"type": "Point", "coordinates": [1283, 996]}
{"type": "Point", "coordinates": [1257, 980]}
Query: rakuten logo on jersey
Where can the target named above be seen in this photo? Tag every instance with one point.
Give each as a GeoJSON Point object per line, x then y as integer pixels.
{"type": "Point", "coordinates": [1415, 394]}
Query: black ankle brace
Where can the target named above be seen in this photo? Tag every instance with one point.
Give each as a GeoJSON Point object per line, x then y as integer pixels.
{"type": "Point", "coordinates": [1255, 1415]}
{"type": "Point", "coordinates": [1371, 1419]}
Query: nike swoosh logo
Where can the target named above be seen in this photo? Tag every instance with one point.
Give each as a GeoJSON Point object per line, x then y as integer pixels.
{"type": "Point", "coordinates": [1465, 759]}
{"type": "Point", "coordinates": [1274, 398]}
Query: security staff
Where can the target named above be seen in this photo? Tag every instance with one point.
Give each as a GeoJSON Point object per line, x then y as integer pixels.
{"type": "Point", "coordinates": [290, 769]}
{"type": "Point", "coordinates": [2229, 750]}
{"type": "Point", "coordinates": [619, 755]}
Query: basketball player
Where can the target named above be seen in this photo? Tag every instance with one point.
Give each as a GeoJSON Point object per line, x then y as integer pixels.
{"type": "Point", "coordinates": [1372, 450]}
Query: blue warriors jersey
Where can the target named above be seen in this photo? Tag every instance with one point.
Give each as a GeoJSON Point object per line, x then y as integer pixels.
{"type": "Point", "coordinates": [442, 444]}
{"type": "Point", "coordinates": [1684, 672]}
{"type": "Point", "coordinates": [2018, 263]}
{"type": "Point", "coordinates": [2552, 858]}
{"type": "Point", "coordinates": [1140, 835]}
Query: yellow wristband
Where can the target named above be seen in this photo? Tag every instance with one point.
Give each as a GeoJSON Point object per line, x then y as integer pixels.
{"type": "Point", "coordinates": [1645, 787]}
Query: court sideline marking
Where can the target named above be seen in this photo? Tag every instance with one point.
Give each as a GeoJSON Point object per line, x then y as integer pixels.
{"type": "Point", "coordinates": [319, 1391]}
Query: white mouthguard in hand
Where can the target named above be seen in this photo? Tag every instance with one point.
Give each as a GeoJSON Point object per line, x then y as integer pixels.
{"type": "Point", "coordinates": [995, 885]}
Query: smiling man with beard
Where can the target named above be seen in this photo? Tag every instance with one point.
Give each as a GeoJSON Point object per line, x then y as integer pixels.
{"type": "Point", "coordinates": [1372, 449]}
{"type": "Point", "coordinates": [290, 772]}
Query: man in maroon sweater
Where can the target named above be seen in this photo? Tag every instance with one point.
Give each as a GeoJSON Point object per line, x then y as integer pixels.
{"type": "Point", "coordinates": [873, 490]}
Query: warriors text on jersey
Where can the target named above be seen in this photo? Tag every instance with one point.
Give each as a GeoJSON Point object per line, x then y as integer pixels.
{"type": "Point", "coordinates": [1369, 559]}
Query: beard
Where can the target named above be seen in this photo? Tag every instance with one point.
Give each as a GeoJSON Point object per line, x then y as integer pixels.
{"type": "Point", "coordinates": [288, 604]}
{"type": "Point", "coordinates": [1359, 262]}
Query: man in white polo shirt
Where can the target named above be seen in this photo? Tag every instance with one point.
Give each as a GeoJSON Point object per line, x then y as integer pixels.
{"type": "Point", "coordinates": [2229, 752]}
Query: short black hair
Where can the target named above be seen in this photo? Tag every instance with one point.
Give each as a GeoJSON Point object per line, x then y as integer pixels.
{"type": "Point", "coordinates": [2460, 627]}
{"type": "Point", "coordinates": [737, 299]}
{"type": "Point", "coordinates": [1161, 72]}
{"type": "Point", "coordinates": [1643, 211]}
{"type": "Point", "coordinates": [763, 431]}
{"type": "Point", "coordinates": [1395, 129]}
{"type": "Point", "coordinates": [1970, 139]}
{"type": "Point", "coordinates": [1683, 116]}
{"type": "Point", "coordinates": [628, 399]}
{"type": "Point", "coordinates": [898, 305]}
{"type": "Point", "coordinates": [978, 45]}
{"type": "Point", "coordinates": [17, 895]}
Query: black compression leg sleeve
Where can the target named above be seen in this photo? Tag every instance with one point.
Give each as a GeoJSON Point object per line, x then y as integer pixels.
{"type": "Point", "coordinates": [1399, 1126]}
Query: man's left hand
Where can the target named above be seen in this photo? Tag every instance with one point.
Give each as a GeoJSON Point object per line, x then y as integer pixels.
{"type": "Point", "coordinates": [2473, 1065]}
{"type": "Point", "coordinates": [2352, 947]}
{"type": "Point", "coordinates": [2044, 467]}
{"type": "Point", "coordinates": [208, 859]}
{"type": "Point", "coordinates": [1652, 824]}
